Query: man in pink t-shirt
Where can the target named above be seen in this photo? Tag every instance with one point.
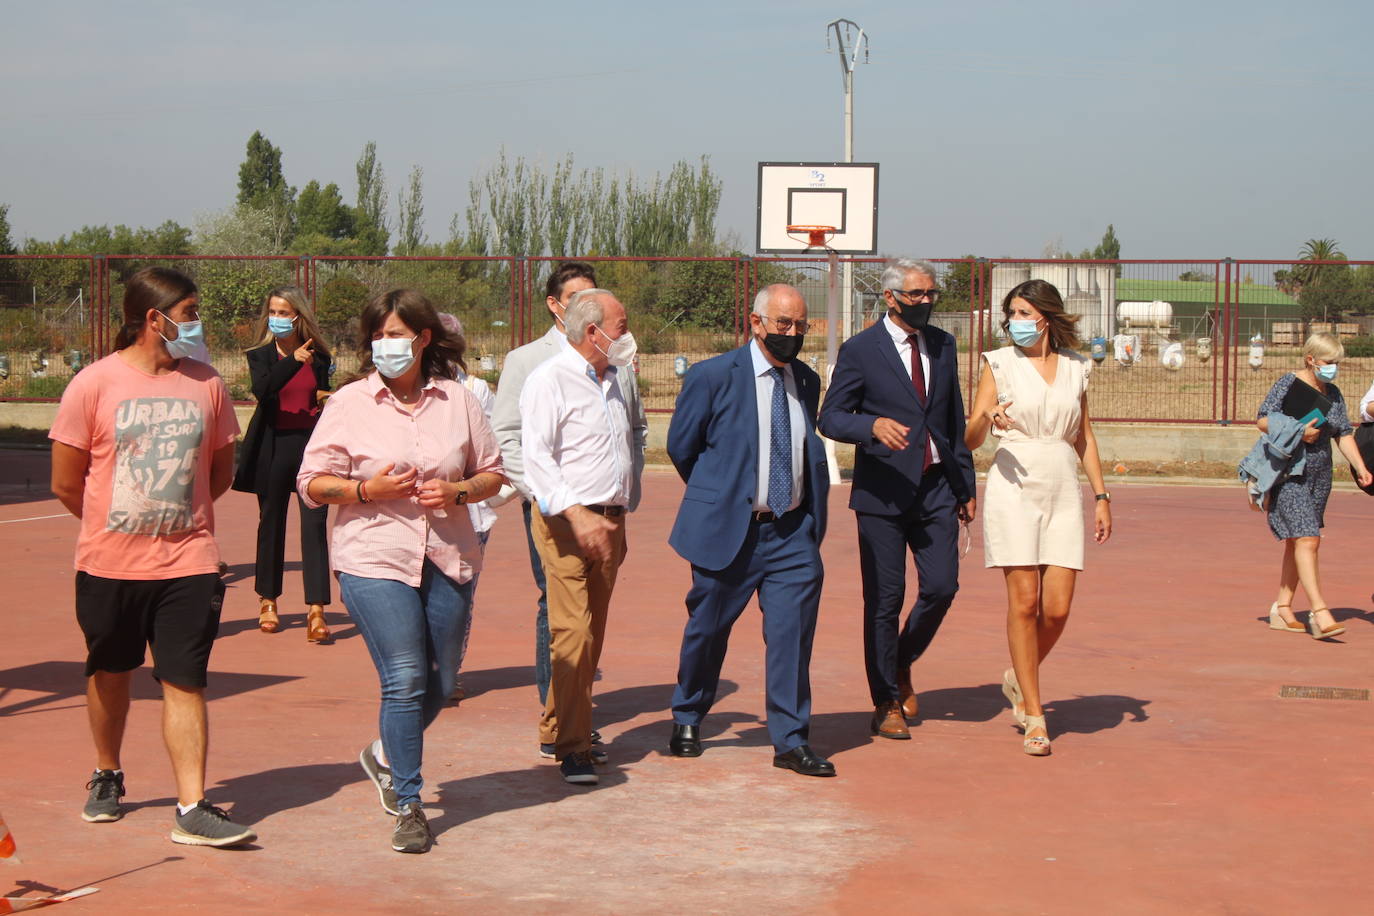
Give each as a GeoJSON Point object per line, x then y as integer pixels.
{"type": "Point", "coordinates": [143, 444]}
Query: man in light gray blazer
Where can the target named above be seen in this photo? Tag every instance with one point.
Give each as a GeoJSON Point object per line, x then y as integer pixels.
{"type": "Point", "coordinates": [567, 278]}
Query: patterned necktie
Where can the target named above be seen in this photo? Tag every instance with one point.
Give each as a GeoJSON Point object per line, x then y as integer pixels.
{"type": "Point", "coordinates": [918, 378]}
{"type": "Point", "coordinates": [779, 449]}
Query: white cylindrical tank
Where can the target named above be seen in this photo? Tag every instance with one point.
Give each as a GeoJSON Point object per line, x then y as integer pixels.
{"type": "Point", "coordinates": [1155, 314]}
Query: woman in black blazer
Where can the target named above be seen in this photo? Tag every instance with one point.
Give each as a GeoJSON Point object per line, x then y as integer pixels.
{"type": "Point", "coordinates": [290, 373]}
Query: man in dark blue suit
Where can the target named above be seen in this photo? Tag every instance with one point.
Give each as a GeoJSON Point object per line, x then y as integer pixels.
{"type": "Point", "coordinates": [743, 437]}
{"type": "Point", "coordinates": [895, 395]}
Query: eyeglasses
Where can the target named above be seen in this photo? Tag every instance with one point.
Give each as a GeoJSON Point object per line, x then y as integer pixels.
{"type": "Point", "coordinates": [787, 324]}
{"type": "Point", "coordinates": [933, 293]}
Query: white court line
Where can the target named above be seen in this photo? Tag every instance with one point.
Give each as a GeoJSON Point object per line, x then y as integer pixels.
{"type": "Point", "coordinates": [36, 518]}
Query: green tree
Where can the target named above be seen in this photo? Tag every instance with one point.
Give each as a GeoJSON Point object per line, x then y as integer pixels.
{"type": "Point", "coordinates": [1109, 249]}
{"type": "Point", "coordinates": [700, 293]}
{"type": "Point", "coordinates": [411, 206]}
{"type": "Point", "coordinates": [369, 215]}
{"type": "Point", "coordinates": [1305, 272]}
{"type": "Point", "coordinates": [7, 268]}
{"type": "Point", "coordinates": [321, 211]}
{"type": "Point", "coordinates": [6, 243]}
{"type": "Point", "coordinates": [958, 288]}
{"type": "Point", "coordinates": [262, 185]}
{"type": "Point", "coordinates": [340, 302]}
{"type": "Point", "coordinates": [261, 182]}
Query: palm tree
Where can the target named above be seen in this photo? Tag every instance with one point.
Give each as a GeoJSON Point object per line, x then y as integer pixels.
{"type": "Point", "coordinates": [1318, 250]}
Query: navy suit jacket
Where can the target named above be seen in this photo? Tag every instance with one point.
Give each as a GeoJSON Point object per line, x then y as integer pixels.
{"type": "Point", "coordinates": [713, 440]}
{"type": "Point", "coordinates": [870, 382]}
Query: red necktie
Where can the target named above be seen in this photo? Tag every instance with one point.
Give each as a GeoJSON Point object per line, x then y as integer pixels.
{"type": "Point", "coordinates": [918, 378]}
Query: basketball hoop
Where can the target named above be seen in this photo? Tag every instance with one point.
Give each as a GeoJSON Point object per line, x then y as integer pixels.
{"type": "Point", "coordinates": [815, 236]}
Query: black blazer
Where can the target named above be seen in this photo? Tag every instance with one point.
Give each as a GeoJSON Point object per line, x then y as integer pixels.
{"type": "Point", "coordinates": [870, 382]}
{"type": "Point", "coordinates": [269, 372]}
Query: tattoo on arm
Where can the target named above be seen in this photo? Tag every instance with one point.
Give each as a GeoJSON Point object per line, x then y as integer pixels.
{"type": "Point", "coordinates": [332, 491]}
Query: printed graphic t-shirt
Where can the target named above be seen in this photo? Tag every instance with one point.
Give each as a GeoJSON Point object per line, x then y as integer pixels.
{"type": "Point", "coordinates": [146, 512]}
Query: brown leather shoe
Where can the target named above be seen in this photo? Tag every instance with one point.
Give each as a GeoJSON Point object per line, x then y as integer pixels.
{"type": "Point", "coordinates": [268, 621]}
{"type": "Point", "coordinates": [888, 722]}
{"type": "Point", "coordinates": [910, 706]}
{"type": "Point", "coordinates": [316, 630]}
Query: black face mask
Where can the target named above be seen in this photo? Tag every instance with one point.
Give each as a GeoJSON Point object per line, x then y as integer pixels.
{"type": "Point", "coordinates": [783, 347]}
{"type": "Point", "coordinates": [916, 316]}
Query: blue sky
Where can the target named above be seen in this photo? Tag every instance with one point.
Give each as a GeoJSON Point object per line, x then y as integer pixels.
{"type": "Point", "coordinates": [1199, 130]}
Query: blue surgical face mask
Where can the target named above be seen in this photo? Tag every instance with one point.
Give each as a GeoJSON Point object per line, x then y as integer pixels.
{"type": "Point", "coordinates": [1327, 373]}
{"type": "Point", "coordinates": [280, 327]}
{"type": "Point", "coordinates": [393, 356]}
{"type": "Point", "coordinates": [189, 341]}
{"type": "Point", "coordinates": [1024, 333]}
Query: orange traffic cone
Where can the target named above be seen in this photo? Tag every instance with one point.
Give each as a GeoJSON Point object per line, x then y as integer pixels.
{"type": "Point", "coordinates": [8, 851]}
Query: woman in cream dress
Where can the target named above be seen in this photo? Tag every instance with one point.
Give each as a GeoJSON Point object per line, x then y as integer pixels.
{"type": "Point", "coordinates": [1033, 397]}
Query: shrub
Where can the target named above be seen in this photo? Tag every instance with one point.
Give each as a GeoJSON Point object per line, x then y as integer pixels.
{"type": "Point", "coordinates": [46, 386]}
{"type": "Point", "coordinates": [338, 306]}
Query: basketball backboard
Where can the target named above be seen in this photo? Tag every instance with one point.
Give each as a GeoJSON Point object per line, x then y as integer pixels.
{"type": "Point", "coordinates": [839, 194]}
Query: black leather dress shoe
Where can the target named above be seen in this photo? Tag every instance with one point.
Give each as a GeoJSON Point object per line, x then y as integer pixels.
{"type": "Point", "coordinates": [685, 741]}
{"type": "Point", "coordinates": [804, 761]}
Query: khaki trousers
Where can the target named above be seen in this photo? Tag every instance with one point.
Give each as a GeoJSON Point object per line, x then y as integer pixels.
{"type": "Point", "coordinates": [579, 591]}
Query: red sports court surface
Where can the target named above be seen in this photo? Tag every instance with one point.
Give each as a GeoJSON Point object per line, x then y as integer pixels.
{"type": "Point", "coordinates": [1180, 781]}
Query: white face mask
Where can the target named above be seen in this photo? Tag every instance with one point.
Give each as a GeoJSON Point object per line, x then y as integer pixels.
{"type": "Point", "coordinates": [621, 351]}
{"type": "Point", "coordinates": [393, 356]}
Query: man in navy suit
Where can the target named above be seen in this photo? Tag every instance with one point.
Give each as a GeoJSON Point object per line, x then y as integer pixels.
{"type": "Point", "coordinates": [895, 395]}
{"type": "Point", "coordinates": [743, 437]}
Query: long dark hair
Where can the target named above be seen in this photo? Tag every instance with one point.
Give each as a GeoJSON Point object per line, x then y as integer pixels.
{"type": "Point", "coordinates": [1063, 327]}
{"type": "Point", "coordinates": [151, 288]}
{"type": "Point", "coordinates": [418, 313]}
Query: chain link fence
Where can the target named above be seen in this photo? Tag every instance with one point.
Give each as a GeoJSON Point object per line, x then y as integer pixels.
{"type": "Point", "coordinates": [1193, 341]}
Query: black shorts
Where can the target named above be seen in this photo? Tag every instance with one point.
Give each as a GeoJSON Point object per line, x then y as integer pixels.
{"type": "Point", "coordinates": [176, 618]}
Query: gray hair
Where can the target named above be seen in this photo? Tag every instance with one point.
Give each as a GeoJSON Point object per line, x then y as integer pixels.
{"type": "Point", "coordinates": [451, 323]}
{"type": "Point", "coordinates": [765, 294]}
{"type": "Point", "coordinates": [584, 309]}
{"type": "Point", "coordinates": [894, 274]}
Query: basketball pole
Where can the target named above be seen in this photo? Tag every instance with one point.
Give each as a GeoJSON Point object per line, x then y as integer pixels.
{"type": "Point", "coordinates": [832, 347]}
{"type": "Point", "coordinates": [849, 57]}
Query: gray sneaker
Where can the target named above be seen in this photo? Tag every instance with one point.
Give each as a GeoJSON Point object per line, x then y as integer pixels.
{"type": "Point", "coordinates": [206, 825]}
{"type": "Point", "coordinates": [381, 778]}
{"type": "Point", "coordinates": [412, 831]}
{"type": "Point", "coordinates": [102, 804]}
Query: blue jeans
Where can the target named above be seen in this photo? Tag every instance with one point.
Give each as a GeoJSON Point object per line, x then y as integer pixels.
{"type": "Point", "coordinates": [482, 538]}
{"type": "Point", "coordinates": [414, 635]}
{"type": "Point", "coordinates": [543, 666]}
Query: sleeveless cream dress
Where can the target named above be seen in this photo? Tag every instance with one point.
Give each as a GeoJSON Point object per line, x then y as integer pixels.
{"type": "Point", "coordinates": [1033, 503]}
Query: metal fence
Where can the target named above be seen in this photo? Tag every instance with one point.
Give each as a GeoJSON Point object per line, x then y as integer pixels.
{"type": "Point", "coordinates": [1209, 317]}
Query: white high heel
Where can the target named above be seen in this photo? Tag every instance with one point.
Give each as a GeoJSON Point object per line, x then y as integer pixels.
{"type": "Point", "coordinates": [1036, 745]}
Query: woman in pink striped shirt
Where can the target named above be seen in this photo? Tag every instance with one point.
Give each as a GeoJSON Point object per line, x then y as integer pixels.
{"type": "Point", "coordinates": [401, 449]}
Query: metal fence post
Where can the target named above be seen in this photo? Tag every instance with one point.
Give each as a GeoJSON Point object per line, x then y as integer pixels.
{"type": "Point", "coordinates": [1230, 375]}
{"type": "Point", "coordinates": [742, 303]}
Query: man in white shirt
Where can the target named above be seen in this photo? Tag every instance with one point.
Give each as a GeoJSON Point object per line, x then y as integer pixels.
{"type": "Point", "coordinates": [579, 466]}
{"type": "Point", "coordinates": [568, 278]}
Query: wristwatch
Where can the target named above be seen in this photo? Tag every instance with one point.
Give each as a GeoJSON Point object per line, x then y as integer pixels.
{"type": "Point", "coordinates": [1105, 495]}
{"type": "Point", "coordinates": [461, 498]}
